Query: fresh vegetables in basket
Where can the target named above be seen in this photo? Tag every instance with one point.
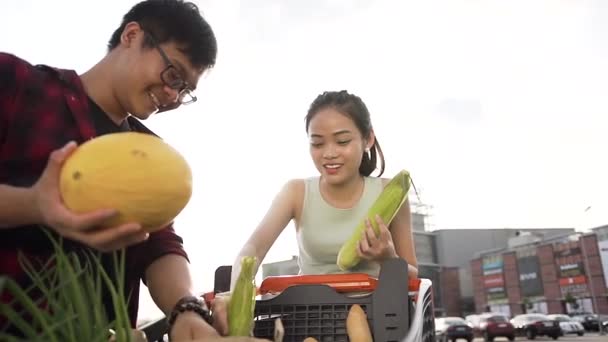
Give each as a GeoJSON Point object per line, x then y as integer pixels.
{"type": "Point", "coordinates": [357, 327]}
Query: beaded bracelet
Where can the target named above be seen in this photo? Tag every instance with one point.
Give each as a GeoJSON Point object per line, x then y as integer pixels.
{"type": "Point", "coordinates": [190, 303]}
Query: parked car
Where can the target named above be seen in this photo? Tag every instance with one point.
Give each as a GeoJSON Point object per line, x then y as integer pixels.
{"type": "Point", "coordinates": [591, 322]}
{"type": "Point", "coordinates": [568, 324]}
{"type": "Point", "coordinates": [452, 328]}
{"type": "Point", "coordinates": [536, 324]}
{"type": "Point", "coordinates": [490, 325]}
{"type": "Point", "coordinates": [472, 320]}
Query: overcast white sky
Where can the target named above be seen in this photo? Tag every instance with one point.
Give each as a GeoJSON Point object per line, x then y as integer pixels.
{"type": "Point", "coordinates": [497, 108]}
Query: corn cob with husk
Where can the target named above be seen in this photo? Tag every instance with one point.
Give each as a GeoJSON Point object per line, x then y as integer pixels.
{"type": "Point", "coordinates": [242, 300]}
{"type": "Point", "coordinates": [386, 205]}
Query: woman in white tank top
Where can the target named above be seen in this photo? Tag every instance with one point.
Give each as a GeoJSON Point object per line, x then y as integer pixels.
{"type": "Point", "coordinates": [327, 208]}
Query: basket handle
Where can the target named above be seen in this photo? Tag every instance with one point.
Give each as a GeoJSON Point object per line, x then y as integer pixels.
{"type": "Point", "coordinates": [351, 282]}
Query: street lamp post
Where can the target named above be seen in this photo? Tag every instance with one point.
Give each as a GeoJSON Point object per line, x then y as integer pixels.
{"type": "Point", "coordinates": [592, 291]}
{"type": "Point", "coordinates": [588, 272]}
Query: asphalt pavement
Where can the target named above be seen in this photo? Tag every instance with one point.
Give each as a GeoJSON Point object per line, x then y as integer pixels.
{"type": "Point", "coordinates": [588, 337]}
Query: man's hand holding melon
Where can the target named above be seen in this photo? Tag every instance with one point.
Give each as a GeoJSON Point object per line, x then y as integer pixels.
{"type": "Point", "coordinates": [113, 190]}
{"type": "Point", "coordinates": [85, 228]}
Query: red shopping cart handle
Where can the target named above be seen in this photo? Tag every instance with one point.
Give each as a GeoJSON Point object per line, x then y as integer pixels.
{"type": "Point", "coordinates": [342, 283]}
{"type": "Point", "coordinates": [349, 282]}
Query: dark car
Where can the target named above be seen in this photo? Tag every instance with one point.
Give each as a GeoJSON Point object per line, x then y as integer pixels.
{"type": "Point", "coordinates": [532, 325]}
{"type": "Point", "coordinates": [591, 322]}
{"type": "Point", "coordinates": [452, 328]}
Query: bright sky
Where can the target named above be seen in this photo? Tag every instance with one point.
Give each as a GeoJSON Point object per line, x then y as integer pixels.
{"type": "Point", "coordinates": [497, 108]}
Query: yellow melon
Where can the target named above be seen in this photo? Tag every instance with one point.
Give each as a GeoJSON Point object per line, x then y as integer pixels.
{"type": "Point", "coordinates": [138, 174]}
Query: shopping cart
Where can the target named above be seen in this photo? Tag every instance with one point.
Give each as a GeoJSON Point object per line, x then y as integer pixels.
{"type": "Point", "coordinates": [397, 309]}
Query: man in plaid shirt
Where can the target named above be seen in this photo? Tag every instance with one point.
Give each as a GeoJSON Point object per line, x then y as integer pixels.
{"type": "Point", "coordinates": [154, 62]}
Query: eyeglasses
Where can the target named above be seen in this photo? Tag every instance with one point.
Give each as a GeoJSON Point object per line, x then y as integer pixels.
{"type": "Point", "coordinates": [172, 78]}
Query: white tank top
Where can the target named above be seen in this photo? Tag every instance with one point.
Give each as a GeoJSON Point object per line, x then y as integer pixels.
{"type": "Point", "coordinates": [323, 229]}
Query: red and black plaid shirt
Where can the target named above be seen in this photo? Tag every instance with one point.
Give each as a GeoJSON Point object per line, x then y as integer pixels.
{"type": "Point", "coordinates": [42, 109]}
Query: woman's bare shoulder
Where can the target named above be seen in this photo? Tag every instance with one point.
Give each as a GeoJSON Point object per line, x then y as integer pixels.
{"type": "Point", "coordinates": [295, 185]}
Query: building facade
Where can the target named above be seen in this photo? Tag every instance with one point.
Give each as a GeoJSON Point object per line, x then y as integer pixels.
{"type": "Point", "coordinates": [559, 275]}
{"type": "Point", "coordinates": [456, 248]}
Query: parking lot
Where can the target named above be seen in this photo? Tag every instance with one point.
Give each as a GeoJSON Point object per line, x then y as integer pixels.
{"type": "Point", "coordinates": [588, 337]}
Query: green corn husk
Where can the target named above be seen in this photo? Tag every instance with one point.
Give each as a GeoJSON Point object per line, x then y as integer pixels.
{"type": "Point", "coordinates": [386, 205]}
{"type": "Point", "coordinates": [242, 300]}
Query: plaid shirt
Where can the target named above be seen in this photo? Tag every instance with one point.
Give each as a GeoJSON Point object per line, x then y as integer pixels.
{"type": "Point", "coordinates": [41, 109]}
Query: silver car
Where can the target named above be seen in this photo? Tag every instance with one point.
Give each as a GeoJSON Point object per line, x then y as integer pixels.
{"type": "Point", "coordinates": [568, 325]}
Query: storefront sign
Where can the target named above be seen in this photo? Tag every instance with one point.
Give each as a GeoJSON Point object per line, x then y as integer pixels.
{"type": "Point", "coordinates": [603, 248]}
{"type": "Point", "coordinates": [530, 280]}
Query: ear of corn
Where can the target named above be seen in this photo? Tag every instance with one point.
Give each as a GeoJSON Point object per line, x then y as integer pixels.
{"type": "Point", "coordinates": [386, 205]}
{"type": "Point", "coordinates": [357, 326]}
{"type": "Point", "coordinates": [242, 300]}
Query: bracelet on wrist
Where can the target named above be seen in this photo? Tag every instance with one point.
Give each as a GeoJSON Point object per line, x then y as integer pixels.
{"type": "Point", "coordinates": [190, 303]}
